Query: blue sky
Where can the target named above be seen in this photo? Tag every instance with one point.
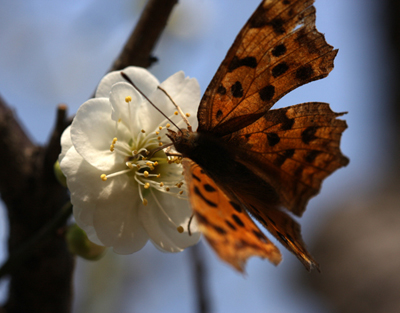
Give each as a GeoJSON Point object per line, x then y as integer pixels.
{"type": "Point", "coordinates": [56, 52]}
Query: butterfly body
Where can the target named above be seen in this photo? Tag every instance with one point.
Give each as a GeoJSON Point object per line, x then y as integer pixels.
{"type": "Point", "coordinates": [248, 160]}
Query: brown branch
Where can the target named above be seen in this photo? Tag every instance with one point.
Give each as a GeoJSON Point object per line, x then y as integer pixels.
{"type": "Point", "coordinates": [137, 50]}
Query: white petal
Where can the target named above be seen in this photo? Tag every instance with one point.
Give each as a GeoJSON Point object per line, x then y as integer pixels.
{"type": "Point", "coordinates": [184, 91]}
{"type": "Point", "coordinates": [92, 132]}
{"type": "Point", "coordinates": [117, 224]}
{"type": "Point", "coordinates": [141, 77]}
{"type": "Point", "coordinates": [132, 114]}
{"type": "Point", "coordinates": [66, 142]}
{"type": "Point", "coordinates": [161, 231]}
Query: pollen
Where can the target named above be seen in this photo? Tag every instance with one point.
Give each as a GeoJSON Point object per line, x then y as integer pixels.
{"type": "Point", "coordinates": [146, 185]}
{"type": "Point", "coordinates": [145, 201]}
{"type": "Point", "coordinates": [187, 114]}
{"type": "Point", "coordinates": [146, 174]}
{"type": "Point", "coordinates": [128, 99]}
{"type": "Point", "coordinates": [180, 229]}
{"type": "Point", "coordinates": [103, 177]}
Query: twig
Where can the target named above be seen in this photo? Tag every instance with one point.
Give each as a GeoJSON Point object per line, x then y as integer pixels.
{"type": "Point", "coordinates": [200, 280]}
{"type": "Point", "coordinates": [137, 50]}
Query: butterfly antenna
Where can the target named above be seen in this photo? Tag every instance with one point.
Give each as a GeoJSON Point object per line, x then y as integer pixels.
{"type": "Point", "coordinates": [131, 82]}
{"type": "Point", "coordinates": [177, 107]}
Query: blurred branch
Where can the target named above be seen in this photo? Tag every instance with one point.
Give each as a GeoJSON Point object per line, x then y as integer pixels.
{"type": "Point", "coordinates": [17, 258]}
{"type": "Point", "coordinates": [200, 280]}
{"type": "Point", "coordinates": [137, 50]}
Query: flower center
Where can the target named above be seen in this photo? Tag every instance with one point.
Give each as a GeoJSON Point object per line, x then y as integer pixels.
{"type": "Point", "coordinates": [147, 161]}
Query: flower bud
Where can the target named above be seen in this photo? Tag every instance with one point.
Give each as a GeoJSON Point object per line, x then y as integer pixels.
{"type": "Point", "coordinates": [79, 244]}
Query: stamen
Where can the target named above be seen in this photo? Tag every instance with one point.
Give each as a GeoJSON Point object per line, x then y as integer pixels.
{"type": "Point", "coordinates": [128, 99]}
{"type": "Point", "coordinates": [103, 177]}
{"type": "Point", "coordinates": [178, 228]}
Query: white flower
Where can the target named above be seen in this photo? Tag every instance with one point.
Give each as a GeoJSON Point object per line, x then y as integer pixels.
{"type": "Point", "coordinates": [121, 195]}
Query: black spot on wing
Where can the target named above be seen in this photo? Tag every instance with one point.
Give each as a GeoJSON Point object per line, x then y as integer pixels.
{"type": "Point", "coordinates": [277, 25]}
{"type": "Point", "coordinates": [281, 158]}
{"type": "Point", "coordinates": [210, 203]}
{"type": "Point", "coordinates": [310, 157]}
{"type": "Point", "coordinates": [209, 188]}
{"type": "Point", "coordinates": [237, 90]}
{"type": "Point", "coordinates": [231, 226]}
{"type": "Point", "coordinates": [219, 229]}
{"type": "Point", "coordinates": [279, 69]}
{"type": "Point", "coordinates": [247, 62]}
{"type": "Point", "coordinates": [237, 220]}
{"type": "Point", "coordinates": [304, 72]}
{"type": "Point", "coordinates": [308, 134]}
{"type": "Point", "coordinates": [282, 236]}
{"type": "Point", "coordinates": [267, 93]}
{"type": "Point", "coordinates": [273, 139]}
{"type": "Point", "coordinates": [236, 206]}
{"type": "Point", "coordinates": [279, 50]}
{"type": "Point", "coordinates": [195, 177]}
{"type": "Point", "coordinates": [221, 90]}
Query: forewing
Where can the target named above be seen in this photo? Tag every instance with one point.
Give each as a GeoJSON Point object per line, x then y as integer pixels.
{"type": "Point", "coordinates": [225, 224]}
{"type": "Point", "coordinates": [293, 149]}
{"type": "Point", "coordinates": [278, 50]}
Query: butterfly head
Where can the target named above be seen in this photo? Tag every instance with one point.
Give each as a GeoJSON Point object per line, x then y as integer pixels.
{"type": "Point", "coordinates": [183, 140]}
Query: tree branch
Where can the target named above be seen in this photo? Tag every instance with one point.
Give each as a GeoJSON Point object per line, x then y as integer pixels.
{"type": "Point", "coordinates": [137, 50]}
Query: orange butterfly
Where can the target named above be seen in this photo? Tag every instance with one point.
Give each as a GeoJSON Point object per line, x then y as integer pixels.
{"type": "Point", "coordinates": [244, 157]}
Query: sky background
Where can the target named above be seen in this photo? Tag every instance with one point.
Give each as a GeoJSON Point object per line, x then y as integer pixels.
{"type": "Point", "coordinates": [56, 52]}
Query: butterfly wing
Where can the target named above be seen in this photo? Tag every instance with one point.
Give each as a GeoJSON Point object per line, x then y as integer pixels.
{"type": "Point", "coordinates": [225, 224]}
{"type": "Point", "coordinates": [293, 149]}
{"type": "Point", "coordinates": [278, 50]}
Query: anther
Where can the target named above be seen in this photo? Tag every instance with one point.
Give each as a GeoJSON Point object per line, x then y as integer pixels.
{"type": "Point", "coordinates": [157, 132]}
{"type": "Point", "coordinates": [180, 229]}
{"type": "Point", "coordinates": [128, 99]}
{"type": "Point", "coordinates": [176, 113]}
{"type": "Point", "coordinates": [129, 164]}
{"type": "Point", "coordinates": [180, 192]}
{"type": "Point", "coordinates": [112, 148]}
{"type": "Point", "coordinates": [187, 114]}
{"type": "Point", "coordinates": [167, 189]}
{"type": "Point", "coordinates": [146, 185]}
{"type": "Point", "coordinates": [145, 201]}
{"type": "Point", "coordinates": [146, 174]}
{"type": "Point", "coordinates": [103, 177]}
{"type": "Point", "coordinates": [161, 184]}
{"type": "Point", "coordinates": [158, 175]}
{"type": "Point", "coordinates": [143, 131]}
{"type": "Point", "coordinates": [159, 127]}
{"type": "Point", "coordinates": [168, 125]}
{"type": "Point", "coordinates": [160, 144]}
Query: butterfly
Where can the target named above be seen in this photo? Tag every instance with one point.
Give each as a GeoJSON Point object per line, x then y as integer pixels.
{"type": "Point", "coordinates": [247, 161]}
